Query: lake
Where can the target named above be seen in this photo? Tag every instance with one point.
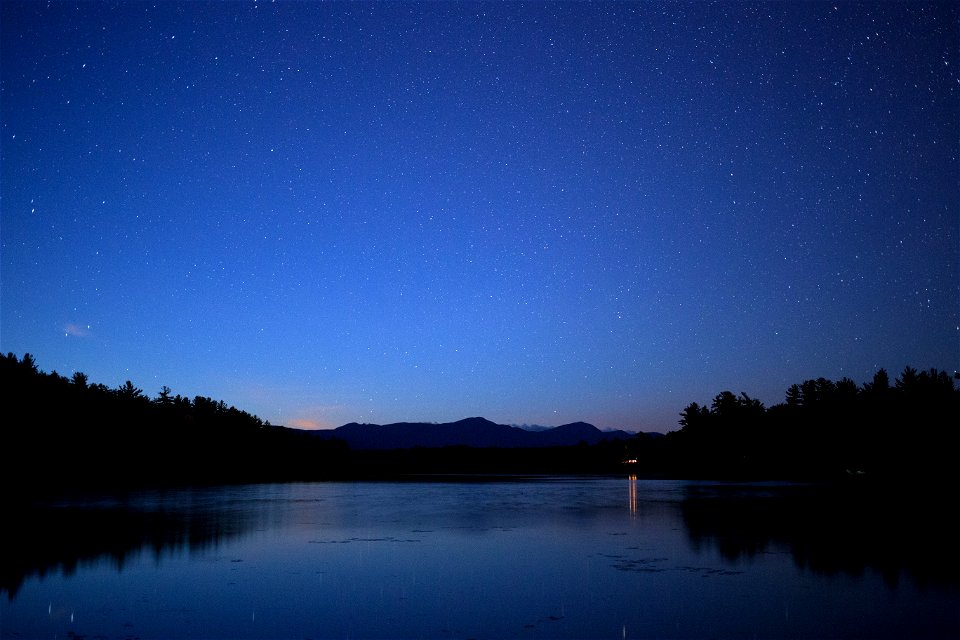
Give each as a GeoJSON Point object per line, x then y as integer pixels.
{"type": "Point", "coordinates": [535, 557]}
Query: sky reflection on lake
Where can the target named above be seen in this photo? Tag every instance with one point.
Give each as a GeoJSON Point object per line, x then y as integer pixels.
{"type": "Point", "coordinates": [526, 558]}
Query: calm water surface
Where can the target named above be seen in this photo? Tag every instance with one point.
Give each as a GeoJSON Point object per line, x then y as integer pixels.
{"type": "Point", "coordinates": [525, 558]}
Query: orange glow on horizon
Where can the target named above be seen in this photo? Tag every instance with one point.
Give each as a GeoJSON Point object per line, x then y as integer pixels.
{"type": "Point", "coordinates": [306, 423]}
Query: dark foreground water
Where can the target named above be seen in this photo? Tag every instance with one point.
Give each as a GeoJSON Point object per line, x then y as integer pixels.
{"type": "Point", "coordinates": [525, 558]}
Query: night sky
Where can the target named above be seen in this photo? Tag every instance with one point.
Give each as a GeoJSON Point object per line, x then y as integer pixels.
{"type": "Point", "coordinates": [532, 212]}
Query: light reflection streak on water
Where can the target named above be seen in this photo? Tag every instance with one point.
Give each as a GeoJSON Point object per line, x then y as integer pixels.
{"type": "Point", "coordinates": [632, 500]}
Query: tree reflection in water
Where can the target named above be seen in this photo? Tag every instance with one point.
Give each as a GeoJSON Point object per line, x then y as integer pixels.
{"type": "Point", "coordinates": [60, 536]}
{"type": "Point", "coordinates": [829, 530]}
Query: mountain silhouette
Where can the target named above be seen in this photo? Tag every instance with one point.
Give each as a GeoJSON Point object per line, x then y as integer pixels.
{"type": "Point", "coordinates": [471, 432]}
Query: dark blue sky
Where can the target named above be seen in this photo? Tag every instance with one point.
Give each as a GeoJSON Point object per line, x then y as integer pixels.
{"type": "Point", "coordinates": [536, 212]}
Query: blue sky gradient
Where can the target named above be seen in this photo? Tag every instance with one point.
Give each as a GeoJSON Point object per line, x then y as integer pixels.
{"type": "Point", "coordinates": [534, 212]}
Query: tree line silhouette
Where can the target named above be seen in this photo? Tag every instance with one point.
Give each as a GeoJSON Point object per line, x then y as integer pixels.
{"type": "Point", "coordinates": [63, 432]}
{"type": "Point", "coordinates": [822, 430]}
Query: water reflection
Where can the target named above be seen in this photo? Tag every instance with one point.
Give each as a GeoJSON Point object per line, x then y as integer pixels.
{"type": "Point", "coordinates": [825, 531]}
{"type": "Point", "coordinates": [63, 536]}
{"type": "Point", "coordinates": [828, 531]}
{"type": "Point", "coordinates": [552, 557]}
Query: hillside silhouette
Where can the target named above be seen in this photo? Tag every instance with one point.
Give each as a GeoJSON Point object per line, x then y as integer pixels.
{"type": "Point", "coordinates": [70, 433]}
{"type": "Point", "coordinates": [469, 432]}
{"type": "Point", "coordinates": [61, 433]}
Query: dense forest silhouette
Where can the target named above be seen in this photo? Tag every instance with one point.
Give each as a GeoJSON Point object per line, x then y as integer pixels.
{"type": "Point", "coordinates": [62, 433]}
{"type": "Point", "coordinates": [886, 430]}
{"type": "Point", "coordinates": [69, 433]}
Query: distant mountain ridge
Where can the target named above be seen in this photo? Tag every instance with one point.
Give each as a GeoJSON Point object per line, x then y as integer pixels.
{"type": "Point", "coordinates": [471, 432]}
